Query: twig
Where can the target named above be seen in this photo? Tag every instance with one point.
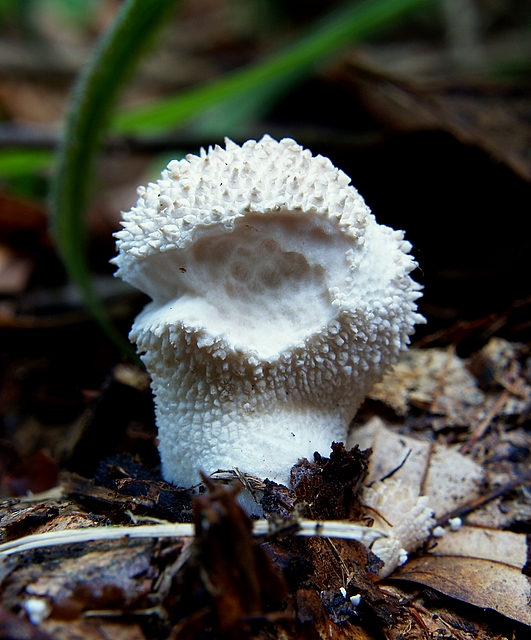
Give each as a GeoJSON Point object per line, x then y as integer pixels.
{"type": "Point", "coordinates": [307, 528]}
{"type": "Point", "coordinates": [441, 378]}
{"type": "Point", "coordinates": [481, 429]}
{"type": "Point", "coordinates": [467, 508]}
{"type": "Point", "coordinates": [393, 471]}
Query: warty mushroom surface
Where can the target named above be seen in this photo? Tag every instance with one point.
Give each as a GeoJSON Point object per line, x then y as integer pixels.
{"type": "Point", "coordinates": [277, 303]}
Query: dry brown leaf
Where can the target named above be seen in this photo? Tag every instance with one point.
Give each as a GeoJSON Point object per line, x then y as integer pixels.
{"type": "Point", "coordinates": [451, 480]}
{"type": "Point", "coordinates": [434, 379]}
{"type": "Point", "coordinates": [506, 547]}
{"type": "Point", "coordinates": [480, 566]}
{"type": "Point", "coordinates": [389, 450]}
{"type": "Point", "coordinates": [483, 583]}
{"type": "Point", "coordinates": [96, 629]}
{"type": "Point", "coordinates": [439, 620]}
{"type": "Point", "coordinates": [442, 473]}
{"type": "Point", "coordinates": [108, 576]}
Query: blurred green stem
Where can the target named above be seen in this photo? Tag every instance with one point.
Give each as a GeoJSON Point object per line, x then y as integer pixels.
{"type": "Point", "coordinates": [95, 94]}
{"type": "Point", "coordinates": [350, 22]}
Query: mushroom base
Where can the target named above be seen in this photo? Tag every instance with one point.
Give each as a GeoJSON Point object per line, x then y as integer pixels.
{"type": "Point", "coordinates": [219, 407]}
{"type": "Point", "coordinates": [266, 446]}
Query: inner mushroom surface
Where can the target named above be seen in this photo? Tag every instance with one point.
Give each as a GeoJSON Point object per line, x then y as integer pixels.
{"type": "Point", "coordinates": [262, 287]}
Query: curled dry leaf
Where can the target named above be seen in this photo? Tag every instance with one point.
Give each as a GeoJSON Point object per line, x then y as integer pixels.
{"type": "Point", "coordinates": [447, 477]}
{"type": "Point", "coordinates": [484, 583]}
{"type": "Point", "coordinates": [483, 567]}
{"type": "Point", "coordinates": [434, 379]}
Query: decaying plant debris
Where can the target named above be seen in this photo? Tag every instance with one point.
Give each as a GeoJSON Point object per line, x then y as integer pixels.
{"type": "Point", "coordinates": [438, 148]}
{"type": "Point", "coordinates": [457, 431]}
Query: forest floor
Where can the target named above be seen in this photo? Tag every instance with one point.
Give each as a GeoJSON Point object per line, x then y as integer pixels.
{"type": "Point", "coordinates": [443, 154]}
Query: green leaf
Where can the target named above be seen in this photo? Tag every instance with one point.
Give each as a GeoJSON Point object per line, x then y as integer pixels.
{"type": "Point", "coordinates": [22, 162]}
{"type": "Point", "coordinates": [343, 26]}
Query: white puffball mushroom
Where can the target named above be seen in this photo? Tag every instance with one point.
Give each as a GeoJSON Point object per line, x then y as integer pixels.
{"type": "Point", "coordinates": [277, 303]}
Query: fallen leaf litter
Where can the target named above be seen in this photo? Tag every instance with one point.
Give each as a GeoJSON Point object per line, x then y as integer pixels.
{"type": "Point", "coordinates": [325, 582]}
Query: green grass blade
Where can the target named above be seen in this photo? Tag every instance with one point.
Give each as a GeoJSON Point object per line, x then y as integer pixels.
{"type": "Point", "coordinates": [351, 22]}
{"type": "Point", "coordinates": [23, 161]}
{"type": "Point", "coordinates": [115, 60]}
{"type": "Point", "coordinates": [94, 97]}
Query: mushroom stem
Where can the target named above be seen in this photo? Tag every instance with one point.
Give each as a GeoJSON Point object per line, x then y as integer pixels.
{"type": "Point", "coordinates": [256, 415]}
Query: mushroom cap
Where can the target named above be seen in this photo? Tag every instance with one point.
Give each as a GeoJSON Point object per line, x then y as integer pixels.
{"type": "Point", "coordinates": [277, 302]}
